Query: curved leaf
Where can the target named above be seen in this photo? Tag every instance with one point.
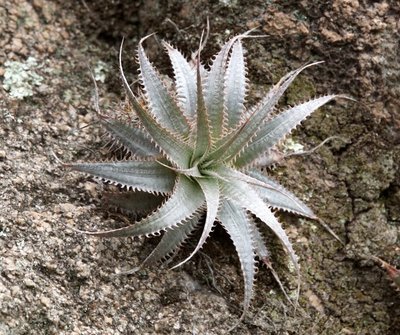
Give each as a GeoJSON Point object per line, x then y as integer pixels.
{"type": "Point", "coordinates": [226, 173]}
{"type": "Point", "coordinates": [172, 240]}
{"type": "Point", "coordinates": [214, 86]}
{"type": "Point", "coordinates": [248, 129]}
{"type": "Point", "coordinates": [148, 176]}
{"type": "Point", "coordinates": [132, 138]}
{"type": "Point", "coordinates": [210, 189]}
{"type": "Point", "coordinates": [263, 254]}
{"type": "Point", "coordinates": [278, 197]}
{"type": "Point", "coordinates": [237, 225]}
{"type": "Point", "coordinates": [259, 243]}
{"type": "Point", "coordinates": [162, 105]}
{"type": "Point", "coordinates": [185, 80]}
{"type": "Point", "coordinates": [235, 189]}
{"type": "Point", "coordinates": [176, 150]}
{"type": "Point", "coordinates": [203, 132]}
{"type": "Point", "coordinates": [235, 89]}
{"type": "Point", "coordinates": [276, 129]}
{"type": "Point", "coordinates": [173, 212]}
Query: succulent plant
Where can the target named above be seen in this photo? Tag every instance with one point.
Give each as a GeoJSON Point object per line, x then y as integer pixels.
{"type": "Point", "coordinates": [195, 153]}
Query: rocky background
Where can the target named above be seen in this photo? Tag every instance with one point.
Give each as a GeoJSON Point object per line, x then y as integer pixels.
{"type": "Point", "coordinates": [56, 281]}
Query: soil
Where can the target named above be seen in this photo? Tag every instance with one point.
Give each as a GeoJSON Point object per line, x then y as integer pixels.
{"type": "Point", "coordinates": [54, 280]}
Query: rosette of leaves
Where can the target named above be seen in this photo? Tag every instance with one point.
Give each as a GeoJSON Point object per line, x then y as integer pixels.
{"type": "Point", "coordinates": [195, 156]}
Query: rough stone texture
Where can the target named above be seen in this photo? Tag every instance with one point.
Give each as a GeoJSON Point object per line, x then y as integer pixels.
{"type": "Point", "coordinates": [56, 281]}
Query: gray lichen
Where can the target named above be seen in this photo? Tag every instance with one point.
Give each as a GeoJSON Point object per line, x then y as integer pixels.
{"type": "Point", "coordinates": [100, 71]}
{"type": "Point", "coordinates": [20, 78]}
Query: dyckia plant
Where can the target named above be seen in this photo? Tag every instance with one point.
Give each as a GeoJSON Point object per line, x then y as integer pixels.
{"type": "Point", "coordinates": [195, 157]}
